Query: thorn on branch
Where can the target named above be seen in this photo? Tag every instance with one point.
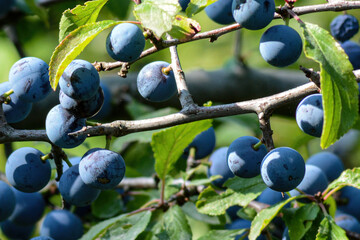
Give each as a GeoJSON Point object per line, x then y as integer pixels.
{"type": "Point", "coordinates": [312, 75]}
{"type": "Point", "coordinates": [213, 38]}
{"type": "Point", "coordinates": [124, 70]}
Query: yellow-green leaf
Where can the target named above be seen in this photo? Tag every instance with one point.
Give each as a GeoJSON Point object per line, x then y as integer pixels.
{"type": "Point", "coordinates": [72, 46]}
{"type": "Point", "coordinates": [71, 19]}
{"type": "Point", "coordinates": [184, 28]}
{"type": "Point", "coordinates": [157, 15]}
{"type": "Point", "coordinates": [169, 144]}
{"type": "Point", "coordinates": [338, 84]}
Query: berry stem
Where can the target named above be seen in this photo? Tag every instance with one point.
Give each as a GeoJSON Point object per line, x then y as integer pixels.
{"type": "Point", "coordinates": [6, 96]}
{"type": "Point", "coordinates": [166, 70]}
{"type": "Point", "coordinates": [257, 145]}
{"type": "Point", "coordinates": [108, 142]}
{"type": "Point", "coordinates": [327, 193]}
{"type": "Point", "coordinates": [46, 157]}
{"type": "Point", "coordinates": [66, 159]}
{"type": "Point", "coordinates": [295, 16]}
{"type": "Point", "coordinates": [191, 159]}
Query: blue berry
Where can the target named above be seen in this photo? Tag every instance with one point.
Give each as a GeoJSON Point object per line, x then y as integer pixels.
{"type": "Point", "coordinates": [42, 238]}
{"type": "Point", "coordinates": [243, 160]}
{"type": "Point", "coordinates": [282, 169]}
{"type": "Point", "coordinates": [241, 224]}
{"type": "Point", "coordinates": [310, 115]}
{"type": "Point", "coordinates": [102, 169]}
{"type": "Point", "coordinates": [80, 80]}
{"type": "Point", "coordinates": [219, 166]}
{"type": "Point", "coordinates": [29, 77]}
{"type": "Point", "coordinates": [125, 42]}
{"type": "Point", "coordinates": [16, 110]}
{"type": "Point", "coordinates": [232, 212]}
{"type": "Point", "coordinates": [204, 143]}
{"type": "Point", "coordinates": [285, 235]}
{"type": "Point", "coordinates": [352, 49]}
{"type": "Point", "coordinates": [105, 110]}
{"type": "Point", "coordinates": [253, 15]}
{"type": "Point", "coordinates": [85, 108]}
{"type": "Point", "coordinates": [29, 208]}
{"type": "Point", "coordinates": [220, 12]}
{"type": "Point", "coordinates": [344, 27]}
{"type": "Point", "coordinates": [26, 171]}
{"type": "Point", "coordinates": [347, 222]}
{"type": "Point", "coordinates": [280, 46]}
{"type": "Point", "coordinates": [184, 4]}
{"type": "Point", "coordinates": [351, 196]}
{"type": "Point", "coordinates": [271, 197]}
{"type": "Point", "coordinates": [74, 190]}
{"type": "Point", "coordinates": [16, 231]}
{"type": "Point", "coordinates": [62, 224]}
{"type": "Point", "coordinates": [59, 123]}
{"type": "Point", "coordinates": [5, 6]}
{"type": "Point", "coordinates": [314, 181]}
{"type": "Point", "coordinates": [7, 201]}
{"type": "Point", "coordinates": [153, 84]}
{"type": "Point", "coordinates": [331, 164]}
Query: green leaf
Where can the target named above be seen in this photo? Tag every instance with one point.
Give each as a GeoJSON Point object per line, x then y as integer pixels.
{"type": "Point", "coordinates": [196, 6]}
{"type": "Point", "coordinates": [39, 11]}
{"type": "Point", "coordinates": [157, 15]}
{"type": "Point", "coordinates": [241, 191]}
{"type": "Point", "coordinates": [169, 144]}
{"type": "Point", "coordinates": [72, 46]}
{"type": "Point", "coordinates": [329, 230]}
{"type": "Point", "coordinates": [107, 205]}
{"type": "Point", "coordinates": [264, 217]}
{"type": "Point", "coordinates": [175, 224]}
{"type": "Point", "coordinates": [338, 84]}
{"type": "Point", "coordinates": [247, 213]}
{"type": "Point", "coordinates": [190, 210]}
{"type": "Point", "coordinates": [349, 177]}
{"type": "Point", "coordinates": [330, 204]}
{"type": "Point", "coordinates": [184, 28]}
{"type": "Point", "coordinates": [299, 220]}
{"type": "Point", "coordinates": [71, 19]}
{"type": "Point", "coordinates": [128, 227]}
{"type": "Point", "coordinates": [222, 234]}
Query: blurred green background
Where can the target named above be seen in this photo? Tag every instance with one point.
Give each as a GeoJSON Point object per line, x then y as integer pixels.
{"type": "Point", "coordinates": [40, 41]}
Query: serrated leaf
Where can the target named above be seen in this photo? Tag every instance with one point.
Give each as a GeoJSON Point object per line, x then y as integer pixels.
{"type": "Point", "coordinates": [338, 84]}
{"type": "Point", "coordinates": [184, 28]}
{"type": "Point", "coordinates": [157, 15]}
{"type": "Point", "coordinates": [330, 231]}
{"type": "Point", "coordinates": [72, 46]}
{"type": "Point", "coordinates": [196, 6]}
{"type": "Point", "coordinates": [241, 191]}
{"type": "Point", "coordinates": [128, 227]}
{"type": "Point", "coordinates": [169, 144]}
{"type": "Point", "coordinates": [175, 224]}
{"type": "Point", "coordinates": [39, 11]}
{"type": "Point", "coordinates": [349, 177]}
{"type": "Point", "coordinates": [71, 19]}
{"type": "Point", "coordinates": [222, 234]}
{"type": "Point", "coordinates": [299, 220]}
{"type": "Point", "coordinates": [264, 217]}
{"type": "Point", "coordinates": [107, 205]}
